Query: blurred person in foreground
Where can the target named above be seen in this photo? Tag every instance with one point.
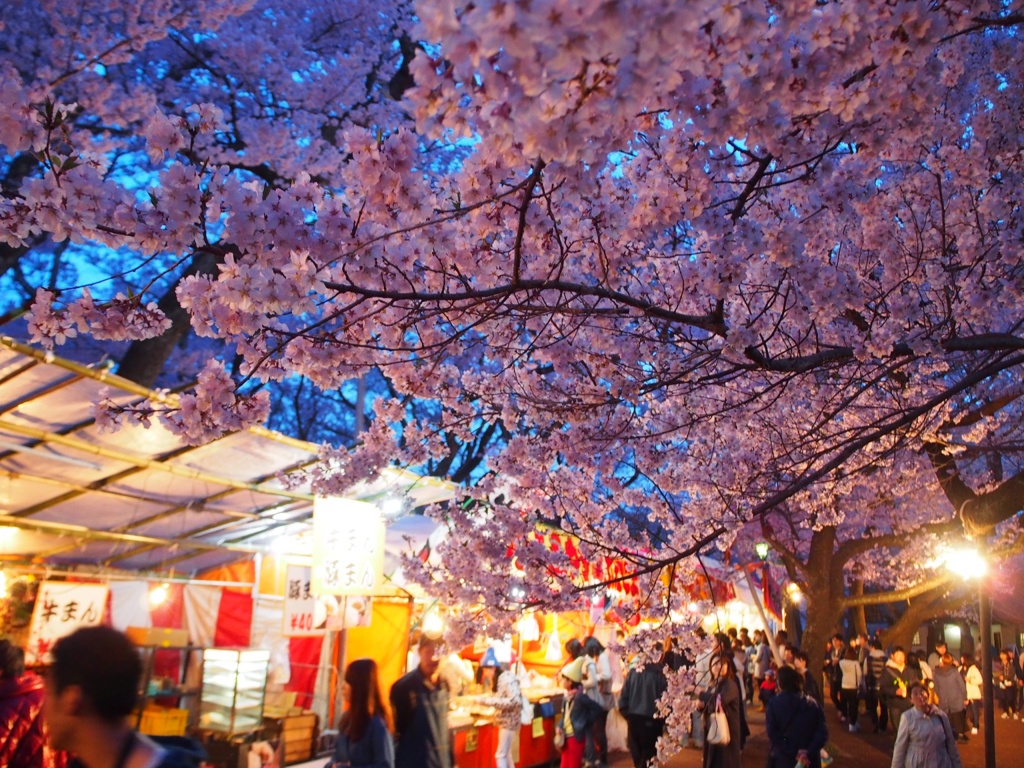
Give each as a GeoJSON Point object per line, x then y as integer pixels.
{"type": "Point", "coordinates": [924, 738]}
{"type": "Point", "coordinates": [22, 737]}
{"type": "Point", "coordinates": [91, 689]}
{"type": "Point", "coordinates": [795, 724]}
{"type": "Point", "coordinates": [364, 735]}
{"type": "Point", "coordinates": [419, 701]}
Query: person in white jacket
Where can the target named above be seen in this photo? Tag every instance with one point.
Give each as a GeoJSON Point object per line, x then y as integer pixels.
{"type": "Point", "coordinates": [508, 705]}
{"type": "Point", "coordinates": [850, 675]}
{"type": "Point", "coordinates": [974, 680]}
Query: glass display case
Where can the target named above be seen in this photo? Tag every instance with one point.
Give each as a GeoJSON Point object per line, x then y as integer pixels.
{"type": "Point", "coordinates": [234, 686]}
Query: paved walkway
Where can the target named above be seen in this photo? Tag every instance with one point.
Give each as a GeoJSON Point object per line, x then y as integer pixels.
{"type": "Point", "coordinates": [859, 750]}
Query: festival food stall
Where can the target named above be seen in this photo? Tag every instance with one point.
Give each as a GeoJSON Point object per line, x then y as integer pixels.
{"type": "Point", "coordinates": [197, 548]}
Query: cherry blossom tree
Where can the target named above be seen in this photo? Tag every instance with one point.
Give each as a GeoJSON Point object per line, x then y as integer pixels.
{"type": "Point", "coordinates": [704, 261]}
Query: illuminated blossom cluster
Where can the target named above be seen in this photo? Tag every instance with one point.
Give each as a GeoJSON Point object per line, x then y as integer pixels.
{"type": "Point", "coordinates": [708, 259]}
{"type": "Point", "coordinates": [213, 409]}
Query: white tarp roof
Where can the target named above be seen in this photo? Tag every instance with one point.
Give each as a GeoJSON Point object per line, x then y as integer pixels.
{"type": "Point", "coordinates": [141, 499]}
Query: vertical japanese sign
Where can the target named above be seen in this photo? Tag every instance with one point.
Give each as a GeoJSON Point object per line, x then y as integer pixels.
{"type": "Point", "coordinates": [61, 608]}
{"type": "Point", "coordinates": [299, 603]}
{"type": "Point", "coordinates": [348, 547]}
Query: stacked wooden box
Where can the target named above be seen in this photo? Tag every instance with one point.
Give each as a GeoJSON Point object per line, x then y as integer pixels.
{"type": "Point", "coordinates": [298, 732]}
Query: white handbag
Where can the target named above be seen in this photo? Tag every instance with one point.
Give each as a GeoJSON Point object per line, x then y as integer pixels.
{"type": "Point", "coordinates": [718, 727]}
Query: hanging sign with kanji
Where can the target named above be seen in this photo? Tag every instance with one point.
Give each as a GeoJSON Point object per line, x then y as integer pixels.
{"type": "Point", "coordinates": [299, 603]}
{"type": "Point", "coordinates": [348, 547]}
{"type": "Point", "coordinates": [61, 608]}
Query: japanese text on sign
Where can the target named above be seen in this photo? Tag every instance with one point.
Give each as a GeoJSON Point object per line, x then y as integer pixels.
{"type": "Point", "coordinates": [299, 603]}
{"type": "Point", "coordinates": [348, 547]}
{"type": "Point", "coordinates": [61, 608]}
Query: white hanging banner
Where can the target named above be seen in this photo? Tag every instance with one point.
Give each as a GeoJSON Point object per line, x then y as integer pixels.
{"type": "Point", "coordinates": [300, 605]}
{"type": "Point", "coordinates": [61, 608]}
{"type": "Point", "coordinates": [348, 547]}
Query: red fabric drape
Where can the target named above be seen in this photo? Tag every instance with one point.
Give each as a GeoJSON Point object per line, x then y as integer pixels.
{"type": "Point", "coordinates": [304, 657]}
{"type": "Point", "coordinates": [169, 615]}
{"type": "Point", "coordinates": [234, 620]}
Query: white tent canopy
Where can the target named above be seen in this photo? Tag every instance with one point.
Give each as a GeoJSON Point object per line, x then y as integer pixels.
{"type": "Point", "coordinates": [140, 499]}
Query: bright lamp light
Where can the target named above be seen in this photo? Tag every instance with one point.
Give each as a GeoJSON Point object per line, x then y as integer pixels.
{"type": "Point", "coordinates": [158, 595]}
{"type": "Point", "coordinates": [968, 563]}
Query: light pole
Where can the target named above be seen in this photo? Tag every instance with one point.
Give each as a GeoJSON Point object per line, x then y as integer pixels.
{"type": "Point", "coordinates": [970, 564]}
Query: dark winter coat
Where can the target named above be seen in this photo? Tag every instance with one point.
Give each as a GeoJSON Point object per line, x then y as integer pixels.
{"type": "Point", "coordinates": [374, 750]}
{"type": "Point", "coordinates": [422, 739]}
{"type": "Point", "coordinates": [641, 691]}
{"type": "Point", "coordinates": [894, 679]}
{"type": "Point", "coordinates": [22, 741]}
{"type": "Point", "coordinates": [584, 713]}
{"type": "Point", "coordinates": [812, 688]}
{"type": "Point", "coordinates": [795, 722]}
{"type": "Point", "coordinates": [716, 756]}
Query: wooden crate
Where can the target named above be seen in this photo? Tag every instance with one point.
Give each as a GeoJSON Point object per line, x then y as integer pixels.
{"type": "Point", "coordinates": [298, 733]}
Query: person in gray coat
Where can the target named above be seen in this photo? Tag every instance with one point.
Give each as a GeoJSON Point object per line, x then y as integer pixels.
{"type": "Point", "coordinates": [952, 692]}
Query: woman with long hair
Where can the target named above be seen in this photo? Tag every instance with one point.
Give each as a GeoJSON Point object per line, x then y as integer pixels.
{"type": "Point", "coordinates": [364, 733]}
{"type": "Point", "coordinates": [724, 689]}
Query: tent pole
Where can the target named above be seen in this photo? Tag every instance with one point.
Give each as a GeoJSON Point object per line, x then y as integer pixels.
{"type": "Point", "coordinates": [776, 652]}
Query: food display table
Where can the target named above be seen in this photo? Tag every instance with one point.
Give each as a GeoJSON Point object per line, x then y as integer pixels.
{"type": "Point", "coordinates": [475, 735]}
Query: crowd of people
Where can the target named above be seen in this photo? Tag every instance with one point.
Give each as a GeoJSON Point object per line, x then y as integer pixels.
{"type": "Point", "coordinates": [77, 714]}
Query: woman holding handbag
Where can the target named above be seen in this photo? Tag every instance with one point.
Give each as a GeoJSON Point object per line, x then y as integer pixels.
{"type": "Point", "coordinates": [723, 716]}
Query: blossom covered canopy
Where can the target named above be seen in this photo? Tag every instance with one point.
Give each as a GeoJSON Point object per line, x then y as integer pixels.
{"type": "Point", "coordinates": [704, 256]}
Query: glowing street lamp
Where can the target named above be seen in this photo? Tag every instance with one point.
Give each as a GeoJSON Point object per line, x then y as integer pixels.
{"type": "Point", "coordinates": [762, 549]}
{"type": "Point", "coordinates": [968, 563]}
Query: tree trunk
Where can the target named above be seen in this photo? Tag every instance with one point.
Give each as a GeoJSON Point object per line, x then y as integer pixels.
{"type": "Point", "coordinates": [860, 622]}
{"type": "Point", "coordinates": [919, 610]}
{"type": "Point", "coordinates": [144, 361]}
{"type": "Point", "coordinates": [821, 625]}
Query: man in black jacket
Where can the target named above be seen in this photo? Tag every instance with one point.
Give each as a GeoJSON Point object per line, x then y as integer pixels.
{"type": "Point", "coordinates": [795, 724]}
{"type": "Point", "coordinates": [811, 687]}
{"type": "Point", "coordinates": [897, 678]}
{"type": "Point", "coordinates": [419, 702]}
{"type": "Point", "coordinates": [638, 703]}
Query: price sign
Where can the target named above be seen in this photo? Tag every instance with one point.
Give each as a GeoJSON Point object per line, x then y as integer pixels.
{"type": "Point", "coordinates": [299, 604]}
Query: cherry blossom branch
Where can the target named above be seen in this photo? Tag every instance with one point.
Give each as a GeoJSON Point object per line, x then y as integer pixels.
{"type": "Point", "coordinates": [892, 596]}
{"type": "Point", "coordinates": [517, 249]}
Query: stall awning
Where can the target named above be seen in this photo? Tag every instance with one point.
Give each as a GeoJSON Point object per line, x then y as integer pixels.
{"type": "Point", "coordinates": [141, 499]}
